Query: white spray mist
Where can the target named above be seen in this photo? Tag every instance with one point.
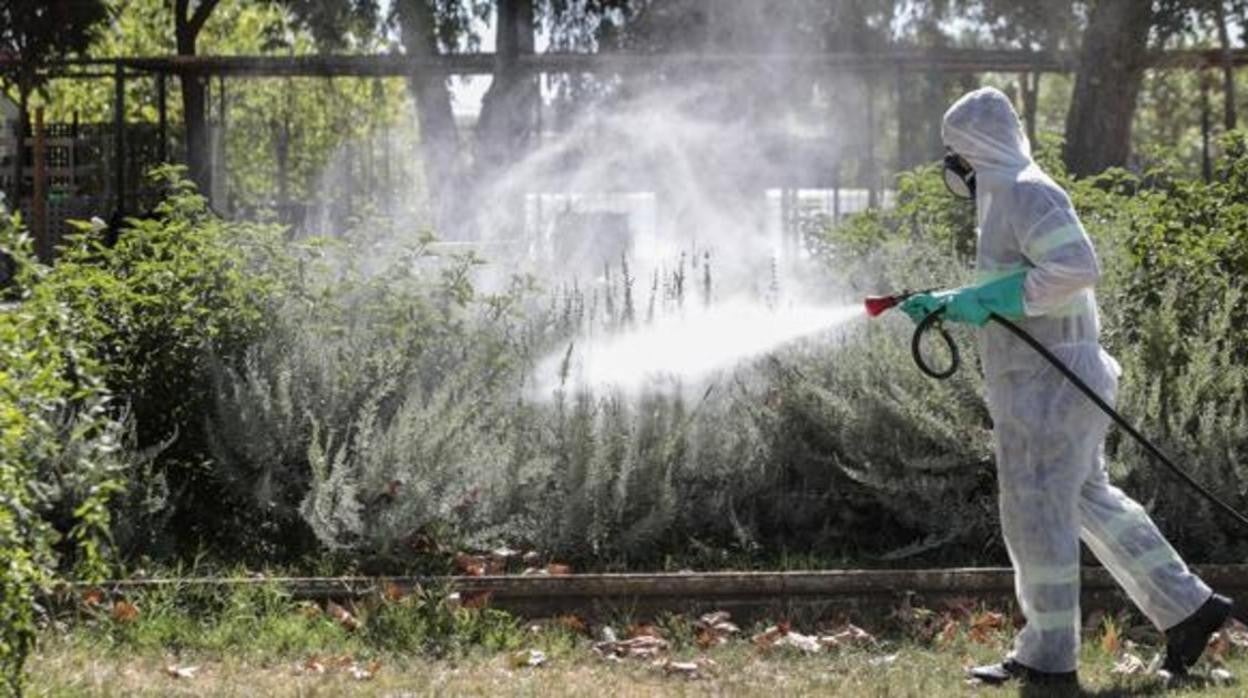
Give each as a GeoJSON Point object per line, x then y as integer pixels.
{"type": "Point", "coordinates": [682, 350]}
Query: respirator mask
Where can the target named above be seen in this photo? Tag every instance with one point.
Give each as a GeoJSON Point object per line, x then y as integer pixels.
{"type": "Point", "coordinates": [959, 176]}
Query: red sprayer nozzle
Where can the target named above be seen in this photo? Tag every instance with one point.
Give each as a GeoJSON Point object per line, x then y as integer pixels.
{"type": "Point", "coordinates": [878, 304]}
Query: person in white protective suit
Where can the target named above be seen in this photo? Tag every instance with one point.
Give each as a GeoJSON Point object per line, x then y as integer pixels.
{"type": "Point", "coordinates": [1037, 267]}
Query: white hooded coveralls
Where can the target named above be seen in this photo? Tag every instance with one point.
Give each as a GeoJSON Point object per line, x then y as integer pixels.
{"type": "Point", "coordinates": [1053, 484]}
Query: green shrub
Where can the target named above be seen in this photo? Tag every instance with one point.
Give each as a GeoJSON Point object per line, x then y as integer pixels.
{"type": "Point", "coordinates": [396, 408]}
{"type": "Point", "coordinates": [380, 392]}
{"type": "Point", "coordinates": [60, 445]}
{"type": "Point", "coordinates": [366, 406]}
{"type": "Point", "coordinates": [178, 291]}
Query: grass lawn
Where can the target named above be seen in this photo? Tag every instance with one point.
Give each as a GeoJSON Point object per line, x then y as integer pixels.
{"type": "Point", "coordinates": [72, 666]}
{"type": "Point", "coordinates": [259, 642]}
{"type": "Point", "coordinates": [64, 669]}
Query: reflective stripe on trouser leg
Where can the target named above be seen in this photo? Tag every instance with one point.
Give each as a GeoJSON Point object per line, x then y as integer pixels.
{"type": "Point", "coordinates": [1127, 542]}
{"type": "Point", "coordinates": [1039, 478]}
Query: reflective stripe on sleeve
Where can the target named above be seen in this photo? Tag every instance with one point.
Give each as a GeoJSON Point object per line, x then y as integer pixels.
{"type": "Point", "coordinates": [1041, 245]}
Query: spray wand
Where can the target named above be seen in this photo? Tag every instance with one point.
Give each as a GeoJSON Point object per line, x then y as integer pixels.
{"type": "Point", "coordinates": [876, 305]}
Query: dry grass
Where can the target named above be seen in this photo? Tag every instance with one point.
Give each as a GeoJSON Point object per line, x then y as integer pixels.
{"type": "Point", "coordinates": [65, 667]}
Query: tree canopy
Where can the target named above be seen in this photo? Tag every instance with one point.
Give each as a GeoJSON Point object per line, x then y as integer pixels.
{"type": "Point", "coordinates": [37, 31]}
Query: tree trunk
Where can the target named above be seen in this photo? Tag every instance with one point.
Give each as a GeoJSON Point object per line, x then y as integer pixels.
{"type": "Point", "coordinates": [1111, 69]}
{"type": "Point", "coordinates": [508, 106]}
{"type": "Point", "coordinates": [1228, 66]}
{"type": "Point", "coordinates": [23, 118]}
{"type": "Point", "coordinates": [439, 138]}
{"type": "Point", "coordinates": [508, 111]}
{"type": "Point", "coordinates": [187, 26]}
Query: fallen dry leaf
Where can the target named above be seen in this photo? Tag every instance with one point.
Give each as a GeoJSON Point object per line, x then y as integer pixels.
{"type": "Point", "coordinates": [342, 615]}
{"type": "Point", "coordinates": [714, 618]}
{"type": "Point", "coordinates": [393, 593]}
{"type": "Point", "coordinates": [181, 672]}
{"type": "Point", "coordinates": [706, 639]}
{"type": "Point", "coordinates": [92, 598]}
{"type": "Point", "coordinates": [768, 637]}
{"type": "Point", "coordinates": [714, 629]}
{"type": "Point", "coordinates": [642, 630]}
{"type": "Point", "coordinates": [558, 569]}
{"type": "Point", "coordinates": [1221, 676]}
{"type": "Point", "coordinates": [850, 634]}
{"type": "Point", "coordinates": [1219, 647]}
{"type": "Point", "coordinates": [1236, 635]}
{"type": "Point", "coordinates": [696, 669]}
{"type": "Point", "coordinates": [343, 662]}
{"type": "Point", "coordinates": [828, 642]}
{"type": "Point", "coordinates": [572, 624]}
{"type": "Point", "coordinates": [125, 612]}
{"type": "Point", "coordinates": [364, 673]}
{"type": "Point", "coordinates": [804, 643]}
{"type": "Point", "coordinates": [528, 658]}
{"type": "Point", "coordinates": [641, 647]}
{"type": "Point", "coordinates": [985, 625]}
{"type": "Point", "coordinates": [1130, 664]}
{"type": "Point", "coordinates": [782, 635]}
{"type": "Point", "coordinates": [470, 565]}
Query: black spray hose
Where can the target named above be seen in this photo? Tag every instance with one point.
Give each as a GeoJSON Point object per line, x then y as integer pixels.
{"type": "Point", "coordinates": [934, 320]}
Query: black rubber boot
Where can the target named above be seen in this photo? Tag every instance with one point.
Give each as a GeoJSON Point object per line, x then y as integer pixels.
{"type": "Point", "coordinates": [1010, 670]}
{"type": "Point", "coordinates": [1186, 641]}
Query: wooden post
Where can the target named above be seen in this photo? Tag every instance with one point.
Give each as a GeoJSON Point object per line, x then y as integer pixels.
{"type": "Point", "coordinates": [162, 111]}
{"type": "Point", "coordinates": [1030, 84]}
{"type": "Point", "coordinates": [1228, 66]}
{"type": "Point", "coordinates": [19, 159]}
{"type": "Point", "coordinates": [869, 164]}
{"type": "Point", "coordinates": [904, 122]}
{"type": "Point", "coordinates": [786, 221]}
{"type": "Point", "coordinates": [387, 174]}
{"type": "Point", "coordinates": [836, 193]}
{"type": "Point", "coordinates": [119, 136]}
{"type": "Point", "coordinates": [1206, 126]}
{"type": "Point", "coordinates": [220, 173]}
{"type": "Point", "coordinates": [39, 193]}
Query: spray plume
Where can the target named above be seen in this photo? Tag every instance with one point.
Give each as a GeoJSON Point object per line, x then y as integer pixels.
{"type": "Point", "coordinates": [686, 349]}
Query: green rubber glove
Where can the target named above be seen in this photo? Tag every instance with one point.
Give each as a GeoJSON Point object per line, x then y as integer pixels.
{"type": "Point", "coordinates": [972, 304]}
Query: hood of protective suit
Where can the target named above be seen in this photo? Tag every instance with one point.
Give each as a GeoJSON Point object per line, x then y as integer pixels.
{"type": "Point", "coordinates": [983, 127]}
